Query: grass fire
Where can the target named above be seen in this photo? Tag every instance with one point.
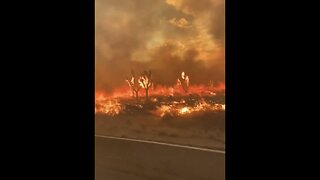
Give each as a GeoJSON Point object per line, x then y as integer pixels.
{"type": "Point", "coordinates": [182, 113]}
{"type": "Point", "coordinates": [178, 100]}
{"type": "Point", "coordinates": [159, 69]}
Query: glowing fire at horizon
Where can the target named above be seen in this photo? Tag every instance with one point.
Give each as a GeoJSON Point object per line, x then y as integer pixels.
{"type": "Point", "coordinates": [159, 90]}
{"type": "Point", "coordinates": [113, 107]}
{"type": "Point", "coordinates": [110, 103]}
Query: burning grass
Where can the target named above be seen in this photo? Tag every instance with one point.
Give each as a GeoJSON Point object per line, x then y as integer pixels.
{"type": "Point", "coordinates": [191, 120]}
{"type": "Point", "coordinates": [162, 100]}
{"type": "Point", "coordinates": [169, 114]}
{"type": "Point", "coordinates": [159, 106]}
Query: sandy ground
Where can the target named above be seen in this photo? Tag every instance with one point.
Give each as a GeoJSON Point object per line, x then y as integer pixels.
{"type": "Point", "coordinates": [206, 130]}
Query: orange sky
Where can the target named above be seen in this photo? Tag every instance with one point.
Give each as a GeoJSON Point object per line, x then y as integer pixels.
{"type": "Point", "coordinates": [165, 36]}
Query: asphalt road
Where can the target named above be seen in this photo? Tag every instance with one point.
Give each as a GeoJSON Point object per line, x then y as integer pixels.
{"type": "Point", "coordinates": [128, 160]}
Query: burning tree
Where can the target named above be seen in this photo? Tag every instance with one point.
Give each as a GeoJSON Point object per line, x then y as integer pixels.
{"type": "Point", "coordinates": [183, 81]}
{"type": "Point", "coordinates": [134, 84]}
{"type": "Point", "coordinates": [146, 81]}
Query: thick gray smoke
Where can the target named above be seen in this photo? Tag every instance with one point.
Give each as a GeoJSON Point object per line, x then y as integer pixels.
{"type": "Point", "coordinates": [165, 36]}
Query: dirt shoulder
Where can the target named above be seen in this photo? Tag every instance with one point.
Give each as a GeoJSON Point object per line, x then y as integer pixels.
{"type": "Point", "coordinates": [206, 130]}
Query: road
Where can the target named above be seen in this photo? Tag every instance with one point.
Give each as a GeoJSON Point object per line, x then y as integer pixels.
{"type": "Point", "coordinates": [117, 159]}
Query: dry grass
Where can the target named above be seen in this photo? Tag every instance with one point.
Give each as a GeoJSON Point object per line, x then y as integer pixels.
{"type": "Point", "coordinates": [204, 130]}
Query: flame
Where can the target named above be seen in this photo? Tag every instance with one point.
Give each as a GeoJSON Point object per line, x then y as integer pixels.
{"type": "Point", "coordinates": [184, 110]}
{"type": "Point", "coordinates": [114, 107]}
{"type": "Point", "coordinates": [108, 107]}
{"type": "Point", "coordinates": [114, 103]}
{"type": "Point", "coordinates": [144, 82]}
{"type": "Point", "coordinates": [180, 108]}
{"type": "Point", "coordinates": [163, 110]}
{"type": "Point", "coordinates": [185, 77]}
{"type": "Point", "coordinates": [183, 82]}
{"type": "Point", "coordinates": [160, 90]}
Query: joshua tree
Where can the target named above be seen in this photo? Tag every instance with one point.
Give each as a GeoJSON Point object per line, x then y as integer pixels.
{"type": "Point", "coordinates": [146, 81]}
{"type": "Point", "coordinates": [184, 82]}
{"type": "Point", "coordinates": [133, 84]}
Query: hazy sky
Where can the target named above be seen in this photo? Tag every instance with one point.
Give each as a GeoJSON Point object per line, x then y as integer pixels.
{"type": "Point", "coordinates": [165, 36]}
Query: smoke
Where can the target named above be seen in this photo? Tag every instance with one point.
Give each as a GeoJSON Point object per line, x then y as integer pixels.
{"type": "Point", "coordinates": [165, 36]}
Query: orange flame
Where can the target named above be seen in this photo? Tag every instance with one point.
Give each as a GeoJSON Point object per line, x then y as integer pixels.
{"type": "Point", "coordinates": [109, 103]}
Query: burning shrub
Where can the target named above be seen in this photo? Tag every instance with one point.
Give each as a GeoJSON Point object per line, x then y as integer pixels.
{"type": "Point", "coordinates": [164, 107]}
{"type": "Point", "coordinates": [183, 81]}
{"type": "Point", "coordinates": [134, 84]}
{"type": "Point", "coordinates": [145, 81]}
{"type": "Point", "coordinates": [108, 107]}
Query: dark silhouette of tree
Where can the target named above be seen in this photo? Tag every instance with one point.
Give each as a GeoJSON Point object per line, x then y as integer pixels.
{"type": "Point", "coordinates": [146, 81]}
{"type": "Point", "coordinates": [183, 81]}
{"type": "Point", "coordinates": [134, 84]}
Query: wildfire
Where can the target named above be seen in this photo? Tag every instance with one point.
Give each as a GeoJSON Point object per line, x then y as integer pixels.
{"type": "Point", "coordinates": [180, 99]}
{"type": "Point", "coordinates": [159, 90]}
{"type": "Point", "coordinates": [108, 107]}
{"type": "Point", "coordinates": [144, 82]}
{"type": "Point", "coordinates": [163, 110]}
{"type": "Point", "coordinates": [181, 108]}
{"type": "Point", "coordinates": [184, 110]}
{"type": "Point", "coordinates": [183, 81]}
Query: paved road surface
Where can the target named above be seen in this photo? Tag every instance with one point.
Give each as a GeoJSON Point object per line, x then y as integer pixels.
{"type": "Point", "coordinates": [128, 160]}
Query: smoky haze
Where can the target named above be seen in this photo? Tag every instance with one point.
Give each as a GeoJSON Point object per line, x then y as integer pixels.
{"type": "Point", "coordinates": [165, 36]}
